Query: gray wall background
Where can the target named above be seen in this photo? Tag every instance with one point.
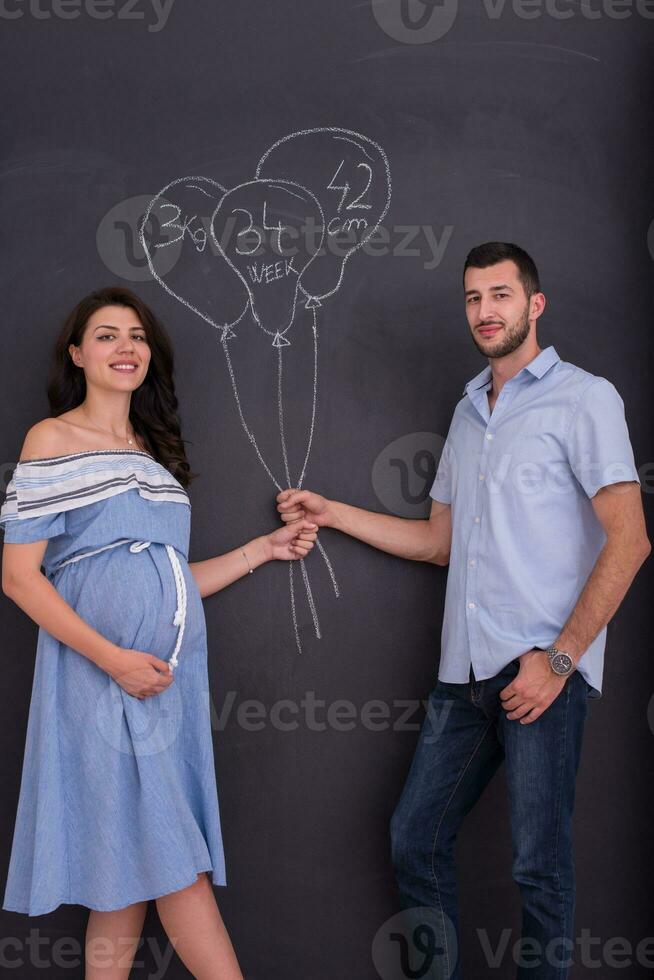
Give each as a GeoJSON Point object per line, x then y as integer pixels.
{"type": "Point", "coordinates": [523, 122]}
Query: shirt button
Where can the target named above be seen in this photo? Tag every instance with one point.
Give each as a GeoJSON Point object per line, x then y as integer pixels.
{"type": "Point", "coordinates": [472, 562]}
{"type": "Point", "coordinates": [481, 476]}
{"type": "Point", "coordinates": [489, 436]}
{"type": "Point", "coordinates": [471, 605]}
{"type": "Point", "coordinates": [476, 520]}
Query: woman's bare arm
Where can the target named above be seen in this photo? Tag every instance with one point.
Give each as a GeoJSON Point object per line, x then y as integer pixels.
{"type": "Point", "coordinates": [285, 544]}
{"type": "Point", "coordinates": [27, 586]}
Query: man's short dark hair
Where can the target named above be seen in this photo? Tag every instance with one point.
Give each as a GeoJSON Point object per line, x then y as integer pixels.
{"type": "Point", "coordinates": [490, 253]}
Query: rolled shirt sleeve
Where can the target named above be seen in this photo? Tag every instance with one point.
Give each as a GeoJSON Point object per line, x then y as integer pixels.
{"type": "Point", "coordinates": [598, 444]}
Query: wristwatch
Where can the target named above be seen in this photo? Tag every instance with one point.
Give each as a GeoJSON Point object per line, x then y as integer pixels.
{"type": "Point", "coordinates": [560, 662]}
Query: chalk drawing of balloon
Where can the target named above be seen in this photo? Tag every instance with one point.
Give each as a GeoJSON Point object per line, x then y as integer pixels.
{"type": "Point", "coordinates": [180, 216]}
{"type": "Point", "coordinates": [350, 175]}
{"type": "Point", "coordinates": [260, 228]}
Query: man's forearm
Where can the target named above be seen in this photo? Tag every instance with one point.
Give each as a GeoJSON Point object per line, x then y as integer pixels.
{"type": "Point", "coordinates": [605, 588]}
{"type": "Point", "coordinates": [404, 537]}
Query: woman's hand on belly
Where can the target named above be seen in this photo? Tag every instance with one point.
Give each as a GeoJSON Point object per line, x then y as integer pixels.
{"type": "Point", "coordinates": [140, 674]}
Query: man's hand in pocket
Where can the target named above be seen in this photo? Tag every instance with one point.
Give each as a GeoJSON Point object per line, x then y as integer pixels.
{"type": "Point", "coordinates": [533, 689]}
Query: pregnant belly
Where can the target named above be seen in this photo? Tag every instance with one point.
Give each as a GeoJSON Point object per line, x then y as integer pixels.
{"type": "Point", "coordinates": [130, 598]}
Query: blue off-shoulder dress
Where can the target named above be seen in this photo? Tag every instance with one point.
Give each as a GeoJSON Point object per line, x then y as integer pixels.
{"type": "Point", "coordinates": [118, 800]}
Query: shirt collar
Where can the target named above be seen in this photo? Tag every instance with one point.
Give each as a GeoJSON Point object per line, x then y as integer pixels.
{"type": "Point", "coordinates": [537, 367]}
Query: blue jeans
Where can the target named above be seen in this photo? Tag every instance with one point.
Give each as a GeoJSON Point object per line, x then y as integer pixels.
{"type": "Point", "coordinates": [464, 739]}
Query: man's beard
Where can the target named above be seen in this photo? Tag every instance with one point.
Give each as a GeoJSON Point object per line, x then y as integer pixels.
{"type": "Point", "coordinates": [513, 337]}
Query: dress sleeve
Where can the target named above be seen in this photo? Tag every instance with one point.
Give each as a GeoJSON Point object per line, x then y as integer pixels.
{"type": "Point", "coordinates": [25, 530]}
{"type": "Point", "coordinates": [22, 529]}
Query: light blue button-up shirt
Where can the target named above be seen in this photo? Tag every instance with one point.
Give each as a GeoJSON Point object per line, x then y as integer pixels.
{"type": "Point", "coordinates": [525, 536]}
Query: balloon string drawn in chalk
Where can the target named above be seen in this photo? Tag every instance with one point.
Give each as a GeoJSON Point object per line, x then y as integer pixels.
{"type": "Point", "coordinates": [290, 483]}
{"type": "Point", "coordinates": [349, 192]}
{"type": "Point", "coordinates": [245, 200]}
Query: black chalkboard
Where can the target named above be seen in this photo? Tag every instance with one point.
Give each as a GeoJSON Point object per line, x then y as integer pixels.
{"type": "Point", "coordinates": [418, 130]}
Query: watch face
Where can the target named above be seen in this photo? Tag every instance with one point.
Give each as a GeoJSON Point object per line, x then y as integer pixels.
{"type": "Point", "coordinates": [561, 663]}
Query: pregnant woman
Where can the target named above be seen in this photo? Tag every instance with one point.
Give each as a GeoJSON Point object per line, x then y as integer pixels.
{"type": "Point", "coordinates": [118, 800]}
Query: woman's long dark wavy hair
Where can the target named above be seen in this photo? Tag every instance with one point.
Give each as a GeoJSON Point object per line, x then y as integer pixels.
{"type": "Point", "coordinates": [153, 408]}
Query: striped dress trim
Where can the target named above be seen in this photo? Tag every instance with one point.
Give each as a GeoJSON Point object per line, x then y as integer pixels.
{"type": "Point", "coordinates": [58, 483]}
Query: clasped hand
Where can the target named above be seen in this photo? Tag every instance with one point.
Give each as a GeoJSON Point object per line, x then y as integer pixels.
{"type": "Point", "coordinates": [296, 505]}
{"type": "Point", "coordinates": [288, 543]}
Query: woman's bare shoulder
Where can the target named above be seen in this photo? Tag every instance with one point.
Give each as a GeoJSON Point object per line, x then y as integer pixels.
{"type": "Point", "coordinates": [45, 438]}
{"type": "Point", "coordinates": [62, 436]}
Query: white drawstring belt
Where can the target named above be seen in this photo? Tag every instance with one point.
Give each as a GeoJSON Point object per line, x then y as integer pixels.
{"type": "Point", "coordinates": [179, 619]}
